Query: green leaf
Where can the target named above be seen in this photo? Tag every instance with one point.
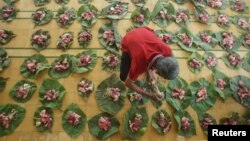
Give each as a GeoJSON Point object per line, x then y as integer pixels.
{"type": "Point", "coordinates": [139, 3]}
{"type": "Point", "coordinates": [64, 46]}
{"type": "Point", "coordinates": [203, 116]}
{"type": "Point", "coordinates": [105, 103]}
{"type": "Point", "coordinates": [202, 105]}
{"type": "Point", "coordinates": [224, 5]}
{"type": "Point", "coordinates": [178, 104]}
{"type": "Point", "coordinates": [71, 129]}
{"type": "Point", "coordinates": [220, 38]}
{"type": "Point", "coordinates": [2, 83]}
{"type": "Point", "coordinates": [207, 56]}
{"type": "Point", "coordinates": [10, 2]}
{"type": "Point", "coordinates": [99, 133]}
{"type": "Point", "coordinates": [62, 2]}
{"type": "Point", "coordinates": [234, 84]}
{"type": "Point", "coordinates": [239, 25]}
{"type": "Point", "coordinates": [245, 9]}
{"type": "Point", "coordinates": [84, 37]}
{"type": "Point", "coordinates": [246, 117]}
{"type": "Point", "coordinates": [87, 8]}
{"type": "Point", "coordinates": [178, 117]}
{"type": "Point", "coordinates": [84, 1]}
{"type": "Point", "coordinates": [42, 65]}
{"type": "Point", "coordinates": [11, 17]}
{"type": "Point", "coordinates": [31, 90]}
{"type": "Point", "coordinates": [76, 65]}
{"type": "Point", "coordinates": [4, 59]}
{"type": "Point", "coordinates": [204, 45]}
{"type": "Point", "coordinates": [225, 59]}
{"type": "Point", "coordinates": [162, 89]}
{"type": "Point", "coordinates": [71, 12]}
{"type": "Point", "coordinates": [46, 19]}
{"type": "Point", "coordinates": [246, 62]}
{"type": "Point", "coordinates": [233, 119]}
{"type": "Point", "coordinates": [197, 56]}
{"type": "Point", "coordinates": [140, 11]}
{"type": "Point", "coordinates": [180, 1]}
{"type": "Point", "coordinates": [200, 10]}
{"type": "Point", "coordinates": [244, 40]}
{"type": "Point", "coordinates": [131, 98]}
{"type": "Point", "coordinates": [50, 84]}
{"type": "Point", "coordinates": [45, 35]}
{"type": "Point", "coordinates": [106, 11]}
{"type": "Point", "coordinates": [41, 2]}
{"type": "Point", "coordinates": [15, 122]}
{"type": "Point", "coordinates": [161, 33]}
{"type": "Point", "coordinates": [154, 121]}
{"type": "Point", "coordinates": [227, 25]}
{"type": "Point", "coordinates": [195, 40]}
{"type": "Point", "coordinates": [162, 15]}
{"type": "Point", "coordinates": [85, 94]}
{"type": "Point", "coordinates": [61, 74]}
{"type": "Point", "coordinates": [8, 38]}
{"type": "Point", "coordinates": [113, 45]}
{"type": "Point", "coordinates": [111, 62]}
{"type": "Point", "coordinates": [41, 127]}
{"type": "Point", "coordinates": [180, 21]}
{"type": "Point", "coordinates": [130, 115]}
{"type": "Point", "coordinates": [223, 93]}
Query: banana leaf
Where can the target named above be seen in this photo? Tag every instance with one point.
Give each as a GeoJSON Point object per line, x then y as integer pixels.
{"type": "Point", "coordinates": [162, 15]}
{"type": "Point", "coordinates": [18, 118]}
{"type": "Point", "coordinates": [70, 129]}
{"type": "Point", "coordinates": [11, 17]}
{"type": "Point", "coordinates": [223, 93]}
{"type": "Point", "coordinates": [180, 1]}
{"type": "Point", "coordinates": [5, 40]}
{"type": "Point", "coordinates": [67, 45]}
{"type": "Point", "coordinates": [31, 90]}
{"type": "Point", "coordinates": [105, 103]}
{"type": "Point", "coordinates": [227, 62]}
{"type": "Point", "coordinates": [41, 127]}
{"type": "Point", "coordinates": [221, 6]}
{"type": "Point", "coordinates": [179, 21]}
{"type": "Point", "coordinates": [84, 1]}
{"type": "Point", "coordinates": [45, 35]}
{"type": "Point", "coordinates": [207, 46]}
{"type": "Point", "coordinates": [246, 62]}
{"type": "Point", "coordinates": [106, 60]}
{"type": "Point", "coordinates": [233, 119]}
{"type": "Point", "coordinates": [206, 56]}
{"type": "Point", "coordinates": [200, 3]}
{"type": "Point", "coordinates": [87, 8]}
{"type": "Point", "coordinates": [10, 2]}
{"type": "Point", "coordinates": [87, 93]}
{"type": "Point", "coordinates": [227, 25]}
{"type": "Point", "coordinates": [142, 20]}
{"type": "Point", "coordinates": [195, 40]}
{"type": "Point", "coordinates": [154, 120]}
{"type": "Point", "coordinates": [136, 102]}
{"type": "Point", "coordinates": [178, 117]}
{"type": "Point", "coordinates": [195, 55]}
{"type": "Point", "coordinates": [245, 10]}
{"type": "Point", "coordinates": [65, 10]}
{"type": "Point", "coordinates": [235, 86]}
{"type": "Point", "coordinates": [235, 20]}
{"type": "Point", "coordinates": [236, 45]}
{"type": "Point", "coordinates": [62, 2]}
{"type": "Point", "coordinates": [99, 133]}
{"type": "Point", "coordinates": [62, 74]}
{"type": "Point", "coordinates": [4, 59]}
{"type": "Point", "coordinates": [2, 83]}
{"type": "Point", "coordinates": [123, 7]}
{"type": "Point", "coordinates": [50, 84]}
{"type": "Point", "coordinates": [201, 10]}
{"type": "Point", "coordinates": [202, 105]}
{"type": "Point", "coordinates": [246, 118]}
{"type": "Point", "coordinates": [130, 115]}
{"type": "Point", "coordinates": [203, 116]}
{"type": "Point", "coordinates": [113, 45]}
{"type": "Point", "coordinates": [77, 68]}
{"type": "Point", "coordinates": [46, 19]}
{"type": "Point", "coordinates": [161, 32]}
{"type": "Point", "coordinates": [178, 104]}
{"type": "Point", "coordinates": [244, 40]}
{"type": "Point", "coordinates": [139, 3]}
{"type": "Point", "coordinates": [42, 65]}
{"type": "Point", "coordinates": [41, 2]}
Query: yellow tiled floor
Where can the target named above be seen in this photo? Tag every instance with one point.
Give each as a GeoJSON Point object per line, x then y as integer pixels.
{"type": "Point", "coordinates": [19, 48]}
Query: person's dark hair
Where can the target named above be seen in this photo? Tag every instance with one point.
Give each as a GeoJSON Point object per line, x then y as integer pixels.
{"type": "Point", "coordinates": [167, 67]}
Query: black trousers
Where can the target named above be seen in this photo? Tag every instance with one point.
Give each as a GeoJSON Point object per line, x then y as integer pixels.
{"type": "Point", "coordinates": [125, 66]}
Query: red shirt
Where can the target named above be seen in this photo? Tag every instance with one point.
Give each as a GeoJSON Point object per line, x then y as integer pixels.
{"type": "Point", "coordinates": [142, 44]}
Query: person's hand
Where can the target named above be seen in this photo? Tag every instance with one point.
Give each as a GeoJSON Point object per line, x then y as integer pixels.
{"type": "Point", "coordinates": [157, 97]}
